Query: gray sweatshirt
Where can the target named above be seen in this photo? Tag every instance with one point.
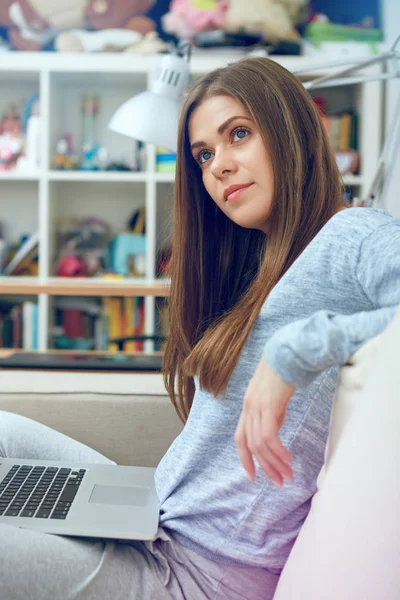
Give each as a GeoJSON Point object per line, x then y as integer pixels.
{"type": "Point", "coordinates": [339, 293]}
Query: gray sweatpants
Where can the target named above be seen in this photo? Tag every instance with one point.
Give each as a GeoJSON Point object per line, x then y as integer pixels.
{"type": "Point", "coordinates": [38, 566]}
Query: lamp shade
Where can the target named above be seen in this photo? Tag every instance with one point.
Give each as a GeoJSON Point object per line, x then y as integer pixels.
{"type": "Point", "coordinates": [148, 117]}
{"type": "Point", "coordinates": [152, 116]}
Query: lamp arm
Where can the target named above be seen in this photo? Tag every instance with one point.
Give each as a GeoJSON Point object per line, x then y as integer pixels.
{"type": "Point", "coordinates": [393, 53]}
{"type": "Point", "coordinates": [354, 67]}
{"type": "Point", "coordinates": [388, 156]}
{"type": "Point", "coordinates": [338, 81]}
{"type": "Point", "coordinates": [386, 163]}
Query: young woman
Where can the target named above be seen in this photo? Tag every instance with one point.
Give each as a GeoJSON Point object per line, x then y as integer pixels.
{"type": "Point", "coordinates": [268, 268]}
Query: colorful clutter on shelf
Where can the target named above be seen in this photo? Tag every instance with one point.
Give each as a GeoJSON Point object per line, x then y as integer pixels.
{"type": "Point", "coordinates": [165, 160]}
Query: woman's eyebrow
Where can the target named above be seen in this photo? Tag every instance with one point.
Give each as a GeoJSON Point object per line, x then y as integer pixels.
{"type": "Point", "coordinates": [220, 129]}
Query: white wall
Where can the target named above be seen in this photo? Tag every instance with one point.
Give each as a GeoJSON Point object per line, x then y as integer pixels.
{"type": "Point", "coordinates": [391, 27]}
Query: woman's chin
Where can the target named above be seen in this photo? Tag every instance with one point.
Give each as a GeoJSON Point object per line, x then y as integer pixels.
{"type": "Point", "coordinates": [251, 224]}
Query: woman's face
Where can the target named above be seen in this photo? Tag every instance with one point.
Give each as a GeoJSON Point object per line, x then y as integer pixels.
{"type": "Point", "coordinates": [236, 167]}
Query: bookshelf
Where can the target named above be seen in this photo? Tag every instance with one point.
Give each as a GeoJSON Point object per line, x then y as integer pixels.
{"type": "Point", "coordinates": [35, 200]}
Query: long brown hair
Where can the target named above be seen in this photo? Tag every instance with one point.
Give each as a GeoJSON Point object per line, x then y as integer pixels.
{"type": "Point", "coordinates": [221, 273]}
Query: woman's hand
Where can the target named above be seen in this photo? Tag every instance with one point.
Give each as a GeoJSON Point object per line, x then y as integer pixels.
{"type": "Point", "coordinates": [264, 409]}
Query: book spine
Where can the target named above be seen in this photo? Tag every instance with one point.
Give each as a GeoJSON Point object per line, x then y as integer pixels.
{"type": "Point", "coordinates": [27, 309]}
{"type": "Point", "coordinates": [129, 323]}
{"type": "Point", "coordinates": [35, 326]}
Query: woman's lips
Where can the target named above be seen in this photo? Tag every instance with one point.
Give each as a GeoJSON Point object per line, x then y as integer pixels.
{"type": "Point", "coordinates": [231, 196]}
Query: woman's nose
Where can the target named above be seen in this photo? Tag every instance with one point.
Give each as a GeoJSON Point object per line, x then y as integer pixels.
{"type": "Point", "coordinates": [223, 164]}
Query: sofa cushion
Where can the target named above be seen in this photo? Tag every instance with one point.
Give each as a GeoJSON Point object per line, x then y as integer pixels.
{"type": "Point", "coordinates": [349, 545]}
{"type": "Point", "coordinates": [132, 429]}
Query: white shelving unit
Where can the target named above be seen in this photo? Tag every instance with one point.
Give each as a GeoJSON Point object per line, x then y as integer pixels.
{"type": "Point", "coordinates": [30, 201]}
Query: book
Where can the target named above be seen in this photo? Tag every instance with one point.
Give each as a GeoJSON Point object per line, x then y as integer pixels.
{"type": "Point", "coordinates": [334, 132]}
{"type": "Point", "coordinates": [27, 329]}
{"type": "Point", "coordinates": [72, 322]}
{"type": "Point", "coordinates": [139, 322]}
{"type": "Point", "coordinates": [354, 131]}
{"type": "Point", "coordinates": [24, 256]}
{"type": "Point", "coordinates": [101, 327]}
{"type": "Point", "coordinates": [129, 323]}
{"type": "Point", "coordinates": [112, 310]}
{"type": "Point", "coordinates": [35, 327]}
{"type": "Point", "coordinates": [344, 132]}
{"type": "Point", "coordinates": [29, 325]}
{"type": "Point", "coordinates": [16, 317]}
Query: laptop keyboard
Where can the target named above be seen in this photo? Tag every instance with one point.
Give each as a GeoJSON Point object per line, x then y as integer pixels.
{"type": "Point", "coordinates": [39, 492]}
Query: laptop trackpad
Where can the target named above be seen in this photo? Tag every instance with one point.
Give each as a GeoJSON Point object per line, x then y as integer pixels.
{"type": "Point", "coordinates": [123, 495]}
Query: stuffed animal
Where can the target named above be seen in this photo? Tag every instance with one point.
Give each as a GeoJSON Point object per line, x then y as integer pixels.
{"type": "Point", "coordinates": [186, 18]}
{"type": "Point", "coordinates": [34, 23]}
{"type": "Point", "coordinates": [5, 19]}
{"type": "Point", "coordinates": [273, 19]}
{"type": "Point", "coordinates": [117, 25]}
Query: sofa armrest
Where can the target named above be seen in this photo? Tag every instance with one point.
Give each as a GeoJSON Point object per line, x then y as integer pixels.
{"type": "Point", "coordinates": [130, 429]}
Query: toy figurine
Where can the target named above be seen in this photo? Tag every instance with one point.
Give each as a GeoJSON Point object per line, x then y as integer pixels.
{"type": "Point", "coordinates": [64, 158]}
{"type": "Point", "coordinates": [90, 147]}
{"type": "Point", "coordinates": [83, 248]}
{"type": "Point", "coordinates": [75, 25]}
{"type": "Point", "coordinates": [71, 266]}
{"type": "Point", "coordinates": [90, 157]}
{"type": "Point", "coordinates": [11, 142]}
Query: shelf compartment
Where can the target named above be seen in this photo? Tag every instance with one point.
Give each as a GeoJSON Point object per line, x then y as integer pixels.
{"type": "Point", "coordinates": [67, 94]}
{"type": "Point", "coordinates": [109, 201]}
{"type": "Point", "coordinates": [163, 223]}
{"type": "Point", "coordinates": [17, 86]}
{"type": "Point", "coordinates": [19, 318]}
{"type": "Point", "coordinates": [19, 210]}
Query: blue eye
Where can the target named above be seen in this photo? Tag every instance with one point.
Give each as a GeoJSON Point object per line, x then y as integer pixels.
{"type": "Point", "coordinates": [204, 156]}
{"type": "Point", "coordinates": [240, 133]}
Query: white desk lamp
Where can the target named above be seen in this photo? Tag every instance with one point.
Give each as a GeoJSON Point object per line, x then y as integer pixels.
{"type": "Point", "coordinates": [153, 116]}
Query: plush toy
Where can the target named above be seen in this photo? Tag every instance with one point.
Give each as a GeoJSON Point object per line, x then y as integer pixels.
{"type": "Point", "coordinates": [273, 19]}
{"type": "Point", "coordinates": [186, 18]}
{"type": "Point", "coordinates": [5, 19]}
{"type": "Point", "coordinates": [115, 24]}
{"type": "Point", "coordinates": [32, 24]}
{"type": "Point", "coordinates": [150, 43]}
{"type": "Point", "coordinates": [84, 25]}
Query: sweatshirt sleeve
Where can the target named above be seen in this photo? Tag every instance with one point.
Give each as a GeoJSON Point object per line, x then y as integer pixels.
{"type": "Point", "coordinates": [378, 267]}
{"type": "Point", "coordinates": [300, 351]}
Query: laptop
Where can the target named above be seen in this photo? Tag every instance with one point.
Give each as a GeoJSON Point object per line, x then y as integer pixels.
{"type": "Point", "coordinates": [75, 499]}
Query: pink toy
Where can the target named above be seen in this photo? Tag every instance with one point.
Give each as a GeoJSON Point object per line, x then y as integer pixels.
{"type": "Point", "coordinates": [187, 17]}
{"type": "Point", "coordinates": [10, 140]}
{"type": "Point", "coordinates": [6, 158]}
{"type": "Point", "coordinates": [71, 266]}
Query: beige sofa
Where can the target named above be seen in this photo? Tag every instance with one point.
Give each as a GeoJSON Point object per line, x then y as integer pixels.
{"type": "Point", "coordinates": [132, 430]}
{"type": "Point", "coordinates": [349, 545]}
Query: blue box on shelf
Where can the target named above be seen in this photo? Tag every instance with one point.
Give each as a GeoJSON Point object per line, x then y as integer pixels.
{"type": "Point", "coordinates": [123, 247]}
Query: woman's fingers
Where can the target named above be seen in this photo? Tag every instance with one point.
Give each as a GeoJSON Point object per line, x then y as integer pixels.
{"type": "Point", "coordinates": [261, 442]}
{"type": "Point", "coordinates": [250, 441]}
{"type": "Point", "coordinates": [244, 452]}
{"type": "Point", "coordinates": [270, 435]}
{"type": "Point", "coordinates": [260, 451]}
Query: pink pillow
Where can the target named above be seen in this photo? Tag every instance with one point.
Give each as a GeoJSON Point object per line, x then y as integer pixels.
{"type": "Point", "coordinates": [349, 545]}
